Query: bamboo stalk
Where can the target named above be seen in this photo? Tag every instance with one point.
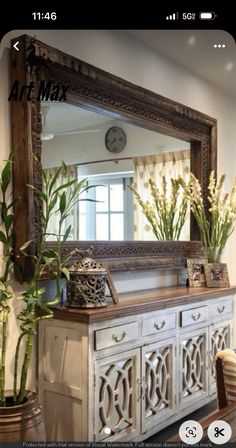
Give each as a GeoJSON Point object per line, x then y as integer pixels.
{"type": "Point", "coordinates": [26, 361]}
{"type": "Point", "coordinates": [3, 354]}
{"type": "Point", "coordinates": [16, 365]}
{"type": "Point", "coordinates": [1, 376]}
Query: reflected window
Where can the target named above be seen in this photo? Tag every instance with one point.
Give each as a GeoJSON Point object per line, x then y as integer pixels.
{"type": "Point", "coordinates": [108, 215]}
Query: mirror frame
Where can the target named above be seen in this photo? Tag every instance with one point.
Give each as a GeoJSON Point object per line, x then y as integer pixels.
{"type": "Point", "coordinates": [97, 90]}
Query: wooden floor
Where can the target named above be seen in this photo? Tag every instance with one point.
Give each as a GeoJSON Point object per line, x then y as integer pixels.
{"type": "Point", "coordinates": [172, 430]}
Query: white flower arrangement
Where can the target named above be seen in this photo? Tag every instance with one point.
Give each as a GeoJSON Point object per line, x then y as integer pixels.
{"type": "Point", "coordinates": [167, 213]}
{"type": "Point", "coordinates": [216, 227]}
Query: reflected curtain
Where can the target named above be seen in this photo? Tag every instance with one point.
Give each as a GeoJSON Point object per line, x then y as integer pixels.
{"type": "Point", "coordinates": [72, 218]}
{"type": "Point", "coordinates": [170, 164]}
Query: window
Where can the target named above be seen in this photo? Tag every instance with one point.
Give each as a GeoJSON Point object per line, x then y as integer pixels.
{"type": "Point", "coordinates": [108, 214]}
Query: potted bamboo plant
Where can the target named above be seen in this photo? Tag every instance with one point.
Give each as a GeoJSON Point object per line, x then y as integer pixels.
{"type": "Point", "coordinates": [21, 417]}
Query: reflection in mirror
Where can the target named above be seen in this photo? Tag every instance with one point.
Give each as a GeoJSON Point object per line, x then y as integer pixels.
{"type": "Point", "coordinates": [110, 154]}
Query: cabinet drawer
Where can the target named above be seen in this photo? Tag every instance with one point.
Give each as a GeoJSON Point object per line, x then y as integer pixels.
{"type": "Point", "coordinates": [158, 324]}
{"type": "Point", "coordinates": [221, 308]}
{"type": "Point", "coordinates": [194, 316]}
{"type": "Point", "coordinates": [110, 337]}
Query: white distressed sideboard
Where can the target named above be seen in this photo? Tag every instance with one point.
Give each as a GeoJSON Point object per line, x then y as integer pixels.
{"type": "Point", "coordinates": [125, 372]}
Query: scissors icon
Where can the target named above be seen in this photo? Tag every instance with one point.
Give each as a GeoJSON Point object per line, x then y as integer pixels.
{"type": "Point", "coordinates": [219, 432]}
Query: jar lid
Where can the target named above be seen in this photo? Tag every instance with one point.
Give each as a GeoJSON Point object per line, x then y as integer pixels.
{"type": "Point", "coordinates": [87, 266]}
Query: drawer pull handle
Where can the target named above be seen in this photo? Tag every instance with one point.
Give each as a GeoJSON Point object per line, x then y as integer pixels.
{"type": "Point", "coordinates": [220, 310]}
{"type": "Point", "coordinates": [159, 327]}
{"type": "Point", "coordinates": [194, 317]}
{"type": "Point", "coordinates": [117, 338]}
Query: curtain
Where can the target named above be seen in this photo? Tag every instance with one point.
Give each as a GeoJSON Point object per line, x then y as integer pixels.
{"type": "Point", "coordinates": [72, 219]}
{"type": "Point", "coordinates": [170, 164]}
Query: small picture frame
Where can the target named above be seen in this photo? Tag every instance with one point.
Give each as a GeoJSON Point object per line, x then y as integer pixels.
{"type": "Point", "coordinates": [216, 275]}
{"type": "Point", "coordinates": [196, 273]}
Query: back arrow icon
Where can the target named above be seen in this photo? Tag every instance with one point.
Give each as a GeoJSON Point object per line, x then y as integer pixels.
{"type": "Point", "coordinates": [16, 46]}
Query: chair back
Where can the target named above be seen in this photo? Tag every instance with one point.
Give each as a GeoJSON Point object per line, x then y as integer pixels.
{"type": "Point", "coordinates": [226, 377]}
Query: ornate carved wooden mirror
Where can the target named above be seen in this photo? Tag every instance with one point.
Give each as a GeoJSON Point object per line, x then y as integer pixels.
{"type": "Point", "coordinates": [99, 92]}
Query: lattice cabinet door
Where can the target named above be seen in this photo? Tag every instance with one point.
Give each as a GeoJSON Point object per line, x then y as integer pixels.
{"type": "Point", "coordinates": [220, 338]}
{"type": "Point", "coordinates": [193, 378]}
{"type": "Point", "coordinates": [158, 383]}
{"type": "Point", "coordinates": [117, 396]}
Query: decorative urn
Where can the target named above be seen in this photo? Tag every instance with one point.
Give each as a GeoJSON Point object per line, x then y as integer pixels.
{"type": "Point", "coordinates": [87, 284]}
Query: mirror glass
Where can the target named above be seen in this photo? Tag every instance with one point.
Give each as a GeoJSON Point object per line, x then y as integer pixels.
{"type": "Point", "coordinates": [110, 154]}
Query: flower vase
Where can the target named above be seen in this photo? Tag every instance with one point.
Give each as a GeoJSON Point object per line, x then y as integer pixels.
{"type": "Point", "coordinates": [214, 253]}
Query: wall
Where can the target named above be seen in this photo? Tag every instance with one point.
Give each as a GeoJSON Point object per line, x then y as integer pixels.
{"type": "Point", "coordinates": [121, 55]}
{"type": "Point", "coordinates": [76, 148]}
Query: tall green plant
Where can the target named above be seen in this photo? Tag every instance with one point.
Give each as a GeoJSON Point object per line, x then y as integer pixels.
{"type": "Point", "coordinates": [5, 290]}
{"type": "Point", "coordinates": [57, 200]}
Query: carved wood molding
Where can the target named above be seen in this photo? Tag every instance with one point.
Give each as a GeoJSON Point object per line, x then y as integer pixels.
{"type": "Point", "coordinates": [100, 91]}
{"type": "Point", "coordinates": [139, 255]}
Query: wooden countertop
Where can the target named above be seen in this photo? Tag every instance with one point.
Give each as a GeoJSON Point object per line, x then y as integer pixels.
{"type": "Point", "coordinates": [142, 301]}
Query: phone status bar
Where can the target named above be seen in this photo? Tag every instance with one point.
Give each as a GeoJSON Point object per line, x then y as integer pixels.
{"type": "Point", "coordinates": [204, 15]}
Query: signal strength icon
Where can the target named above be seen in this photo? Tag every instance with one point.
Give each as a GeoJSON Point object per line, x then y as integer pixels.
{"type": "Point", "coordinates": [172, 16]}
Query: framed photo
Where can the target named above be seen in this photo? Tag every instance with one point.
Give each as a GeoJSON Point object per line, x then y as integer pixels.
{"type": "Point", "coordinates": [216, 275]}
{"type": "Point", "coordinates": [196, 273]}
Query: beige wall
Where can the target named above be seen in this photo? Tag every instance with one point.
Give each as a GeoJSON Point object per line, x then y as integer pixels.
{"type": "Point", "coordinates": [76, 148]}
{"type": "Point", "coordinates": [117, 53]}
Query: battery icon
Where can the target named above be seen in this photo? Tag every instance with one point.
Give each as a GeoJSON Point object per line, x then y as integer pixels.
{"type": "Point", "coordinates": [207, 15]}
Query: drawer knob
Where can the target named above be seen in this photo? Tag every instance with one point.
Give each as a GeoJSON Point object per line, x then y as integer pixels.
{"type": "Point", "coordinates": [194, 317]}
{"type": "Point", "coordinates": [159, 327]}
{"type": "Point", "coordinates": [117, 338]}
{"type": "Point", "coordinates": [221, 310]}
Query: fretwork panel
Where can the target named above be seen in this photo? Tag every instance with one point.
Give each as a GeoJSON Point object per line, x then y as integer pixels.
{"type": "Point", "coordinates": [116, 412]}
{"type": "Point", "coordinates": [158, 399]}
{"type": "Point", "coordinates": [220, 339]}
{"type": "Point", "coordinates": [193, 366]}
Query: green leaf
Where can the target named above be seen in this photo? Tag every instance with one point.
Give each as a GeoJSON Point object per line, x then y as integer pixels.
{"type": "Point", "coordinates": [66, 272]}
{"type": "Point", "coordinates": [42, 195]}
{"type": "Point", "coordinates": [25, 245]}
{"type": "Point", "coordinates": [88, 187]}
{"type": "Point", "coordinates": [54, 179]}
{"type": "Point", "coordinates": [82, 183]}
{"type": "Point", "coordinates": [62, 205]}
{"type": "Point", "coordinates": [4, 211]}
{"type": "Point", "coordinates": [11, 204]}
{"type": "Point", "coordinates": [66, 185]}
{"type": "Point", "coordinates": [67, 233]}
{"type": "Point", "coordinates": [73, 204]}
{"type": "Point", "coordinates": [6, 176]}
{"type": "Point", "coordinates": [88, 200]}
{"type": "Point", "coordinates": [8, 222]}
{"type": "Point", "coordinates": [29, 300]}
{"type": "Point", "coordinates": [41, 291]}
{"type": "Point", "coordinates": [52, 203]}
{"type": "Point", "coordinates": [3, 237]}
{"type": "Point", "coordinates": [11, 155]}
{"type": "Point", "coordinates": [50, 254]}
{"type": "Point", "coordinates": [33, 188]}
{"type": "Point", "coordinates": [68, 256]}
{"type": "Point", "coordinates": [49, 261]}
{"type": "Point", "coordinates": [64, 167]}
{"type": "Point", "coordinates": [30, 291]}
